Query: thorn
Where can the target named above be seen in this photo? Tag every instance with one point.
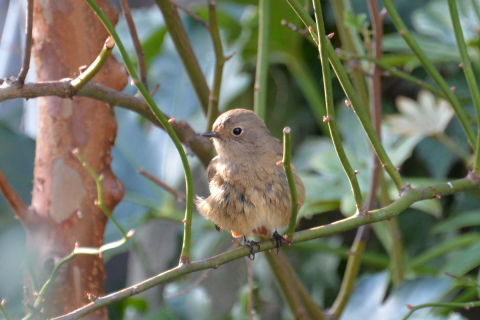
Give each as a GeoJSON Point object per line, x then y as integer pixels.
{"type": "Point", "coordinates": [184, 220]}
{"type": "Point", "coordinates": [279, 163]}
{"type": "Point", "coordinates": [330, 35]}
{"type": "Point", "coordinates": [77, 245]}
{"type": "Point", "coordinates": [402, 32]}
{"type": "Point", "coordinates": [171, 120]}
{"type": "Point", "coordinates": [460, 65]}
{"type": "Point", "coordinates": [409, 306]}
{"type": "Point", "coordinates": [130, 233]}
{"type": "Point", "coordinates": [453, 88]}
{"type": "Point", "coordinates": [399, 169]}
{"type": "Point", "coordinates": [310, 28]}
{"type": "Point", "coordinates": [437, 196]}
{"type": "Point", "coordinates": [347, 103]}
{"type": "Point", "coordinates": [327, 118]}
{"type": "Point", "coordinates": [286, 130]}
{"type": "Point", "coordinates": [91, 296]}
{"type": "Point", "coordinates": [356, 171]}
{"type": "Point", "coordinates": [300, 203]}
{"type": "Point", "coordinates": [384, 165]}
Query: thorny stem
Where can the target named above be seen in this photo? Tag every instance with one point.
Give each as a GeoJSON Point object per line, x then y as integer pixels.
{"type": "Point", "coordinates": [410, 196]}
{"type": "Point", "coordinates": [389, 70]}
{"type": "Point", "coordinates": [469, 74]}
{"type": "Point", "coordinates": [162, 184]}
{"type": "Point", "coordinates": [28, 43]}
{"type": "Point", "coordinates": [185, 254]}
{"type": "Point", "coordinates": [261, 73]}
{"type": "Point", "coordinates": [136, 42]}
{"type": "Point", "coordinates": [287, 166]}
{"type": "Point", "coordinates": [95, 67]}
{"type": "Point", "coordinates": [353, 98]}
{"type": "Point", "coordinates": [213, 100]}
{"type": "Point", "coordinates": [330, 118]}
{"type": "Point", "coordinates": [465, 305]}
{"type": "Point", "coordinates": [432, 71]}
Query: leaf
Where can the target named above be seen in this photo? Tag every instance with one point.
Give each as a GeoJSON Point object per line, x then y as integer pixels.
{"type": "Point", "coordinates": [460, 220]}
{"type": "Point", "coordinates": [464, 261]}
{"type": "Point", "coordinates": [393, 307]}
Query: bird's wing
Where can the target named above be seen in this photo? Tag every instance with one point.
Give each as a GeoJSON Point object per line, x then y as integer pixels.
{"type": "Point", "coordinates": [212, 169]}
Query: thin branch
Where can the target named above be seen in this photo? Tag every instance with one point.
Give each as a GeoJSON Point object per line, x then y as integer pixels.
{"type": "Point", "coordinates": [28, 43]}
{"type": "Point", "coordinates": [11, 89]}
{"type": "Point", "coordinates": [190, 13]}
{"type": "Point", "coordinates": [432, 71]}
{"type": "Point", "coordinates": [185, 254]}
{"type": "Point", "coordinates": [3, 311]}
{"type": "Point", "coordinates": [95, 67]}
{"type": "Point", "coordinates": [410, 196]}
{"type": "Point", "coordinates": [162, 184]}
{"type": "Point", "coordinates": [261, 73]}
{"type": "Point", "coordinates": [18, 207]}
{"type": "Point", "coordinates": [469, 74]}
{"type": "Point", "coordinates": [353, 98]}
{"type": "Point", "coordinates": [389, 70]}
{"type": "Point", "coordinates": [287, 166]}
{"type": "Point", "coordinates": [136, 42]}
{"type": "Point", "coordinates": [214, 97]}
{"type": "Point", "coordinates": [182, 44]}
{"type": "Point", "coordinates": [330, 118]}
{"type": "Point", "coordinates": [464, 305]}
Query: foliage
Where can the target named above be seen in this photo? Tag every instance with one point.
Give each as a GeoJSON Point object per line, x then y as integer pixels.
{"type": "Point", "coordinates": [420, 133]}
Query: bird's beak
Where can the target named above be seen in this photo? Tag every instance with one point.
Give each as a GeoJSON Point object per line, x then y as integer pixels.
{"type": "Point", "coordinates": [211, 134]}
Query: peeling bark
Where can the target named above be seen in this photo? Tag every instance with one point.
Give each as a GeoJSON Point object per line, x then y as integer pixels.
{"type": "Point", "coordinates": [67, 35]}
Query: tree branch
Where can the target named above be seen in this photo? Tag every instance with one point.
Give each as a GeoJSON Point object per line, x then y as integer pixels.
{"type": "Point", "coordinates": [11, 89]}
{"type": "Point", "coordinates": [410, 196]}
{"type": "Point", "coordinates": [18, 207]}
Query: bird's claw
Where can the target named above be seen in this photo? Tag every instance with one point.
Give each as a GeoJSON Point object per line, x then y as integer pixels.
{"type": "Point", "coordinates": [251, 244]}
{"type": "Point", "coordinates": [279, 240]}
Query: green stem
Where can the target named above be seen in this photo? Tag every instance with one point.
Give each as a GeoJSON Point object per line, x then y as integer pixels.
{"type": "Point", "coordinates": [469, 74]}
{"type": "Point", "coordinates": [180, 39]}
{"type": "Point", "coordinates": [392, 71]}
{"type": "Point", "coordinates": [293, 290]}
{"type": "Point", "coordinates": [212, 113]}
{"type": "Point", "coordinates": [261, 74]}
{"type": "Point", "coordinates": [350, 42]}
{"type": "Point", "coordinates": [95, 67]}
{"type": "Point", "coordinates": [185, 254]}
{"type": "Point", "coordinates": [287, 166]}
{"type": "Point", "coordinates": [409, 197]}
{"type": "Point", "coordinates": [353, 98]}
{"type": "Point", "coordinates": [3, 311]}
{"type": "Point", "coordinates": [432, 71]}
{"type": "Point", "coordinates": [303, 75]}
{"type": "Point", "coordinates": [465, 305]}
{"type": "Point", "coordinates": [350, 275]}
{"type": "Point", "coordinates": [330, 118]}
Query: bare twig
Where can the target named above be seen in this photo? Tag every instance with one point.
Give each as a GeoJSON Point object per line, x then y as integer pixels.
{"type": "Point", "coordinates": [11, 89]}
{"type": "Point", "coordinates": [190, 13]}
{"type": "Point", "coordinates": [28, 43]}
{"type": "Point", "coordinates": [19, 208]}
{"type": "Point", "coordinates": [136, 42]}
{"type": "Point", "coordinates": [410, 196]}
{"type": "Point", "coordinates": [162, 184]}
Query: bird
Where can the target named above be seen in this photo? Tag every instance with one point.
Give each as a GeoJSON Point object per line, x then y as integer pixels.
{"type": "Point", "coordinates": [249, 192]}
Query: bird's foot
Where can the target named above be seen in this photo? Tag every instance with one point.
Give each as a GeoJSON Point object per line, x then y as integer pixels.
{"type": "Point", "coordinates": [279, 240]}
{"type": "Point", "coordinates": [251, 244]}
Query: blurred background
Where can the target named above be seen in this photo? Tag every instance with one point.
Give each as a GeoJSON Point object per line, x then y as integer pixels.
{"type": "Point", "coordinates": [419, 132]}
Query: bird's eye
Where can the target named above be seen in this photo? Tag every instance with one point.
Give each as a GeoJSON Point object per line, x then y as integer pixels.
{"type": "Point", "coordinates": [237, 131]}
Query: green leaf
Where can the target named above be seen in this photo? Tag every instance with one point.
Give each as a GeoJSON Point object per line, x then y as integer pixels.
{"type": "Point", "coordinates": [460, 220]}
{"type": "Point", "coordinates": [392, 306]}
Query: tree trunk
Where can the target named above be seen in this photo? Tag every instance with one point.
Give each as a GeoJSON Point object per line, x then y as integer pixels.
{"type": "Point", "coordinates": [67, 35]}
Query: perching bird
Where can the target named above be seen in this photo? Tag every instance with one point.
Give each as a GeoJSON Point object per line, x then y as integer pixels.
{"type": "Point", "coordinates": [249, 193]}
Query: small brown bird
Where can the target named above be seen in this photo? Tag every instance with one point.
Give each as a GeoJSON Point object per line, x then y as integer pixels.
{"type": "Point", "coordinates": [249, 193]}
